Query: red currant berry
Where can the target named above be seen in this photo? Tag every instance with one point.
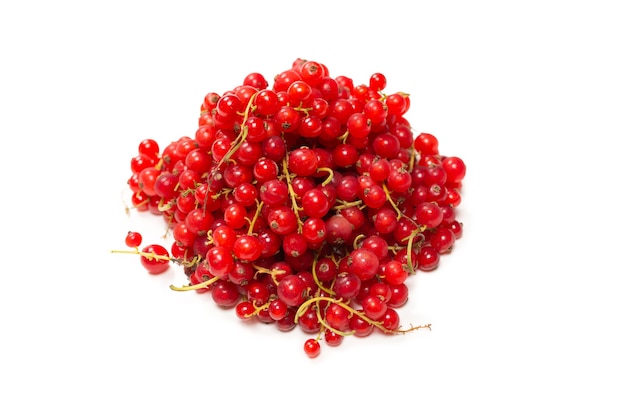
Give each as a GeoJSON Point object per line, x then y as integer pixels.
{"type": "Point", "coordinates": [155, 258]}
{"type": "Point", "coordinates": [312, 348]}
{"type": "Point", "coordinates": [133, 239]}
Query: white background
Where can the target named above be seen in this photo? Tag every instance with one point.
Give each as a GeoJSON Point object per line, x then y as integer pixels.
{"type": "Point", "coordinates": [527, 312]}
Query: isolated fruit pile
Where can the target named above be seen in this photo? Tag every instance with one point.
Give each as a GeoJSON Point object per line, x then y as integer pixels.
{"type": "Point", "coordinates": [305, 202]}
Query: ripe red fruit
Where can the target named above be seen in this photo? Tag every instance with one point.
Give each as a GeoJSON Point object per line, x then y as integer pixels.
{"type": "Point", "coordinates": [304, 202]}
{"type": "Point", "coordinates": [133, 239]}
{"type": "Point", "coordinates": [363, 263]}
{"type": "Point", "coordinates": [312, 348]}
{"type": "Point", "coordinates": [428, 214]}
{"type": "Point", "coordinates": [426, 144]}
{"type": "Point", "coordinates": [155, 258]}
{"type": "Point", "coordinates": [302, 162]}
{"type": "Point", "coordinates": [292, 290]}
{"type": "Point", "coordinates": [455, 169]}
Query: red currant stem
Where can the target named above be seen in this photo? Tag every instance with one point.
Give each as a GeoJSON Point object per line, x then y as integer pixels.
{"type": "Point", "coordinates": [292, 194]}
{"type": "Point", "coordinates": [333, 257]}
{"type": "Point", "coordinates": [243, 134]}
{"type": "Point", "coordinates": [223, 192]}
{"type": "Point", "coordinates": [159, 165]}
{"type": "Point", "coordinates": [209, 237]}
{"type": "Point", "coordinates": [353, 311]}
{"type": "Point", "coordinates": [342, 138]}
{"type": "Point", "coordinates": [150, 256]}
{"type": "Point", "coordinates": [330, 172]}
{"type": "Point", "coordinates": [357, 240]}
{"type": "Point", "coordinates": [391, 202]}
{"type": "Point", "coordinates": [304, 110]}
{"type": "Point", "coordinates": [319, 333]}
{"type": "Point", "coordinates": [411, 328]}
{"type": "Point", "coordinates": [153, 256]}
{"type": "Point", "coordinates": [258, 309]}
{"type": "Point", "coordinates": [413, 157]}
{"type": "Point", "coordinates": [201, 285]}
{"type": "Point", "coordinates": [273, 273]}
{"type": "Point", "coordinates": [343, 204]}
{"type": "Point", "coordinates": [165, 206]}
{"type": "Point", "coordinates": [316, 279]}
{"type": "Point", "coordinates": [325, 324]}
{"type": "Point", "coordinates": [145, 202]}
{"type": "Point", "coordinates": [396, 248]}
{"type": "Point", "coordinates": [259, 205]}
{"type": "Point", "coordinates": [409, 250]}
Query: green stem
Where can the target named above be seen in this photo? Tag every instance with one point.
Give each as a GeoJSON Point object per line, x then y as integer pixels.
{"type": "Point", "coordinates": [292, 194]}
{"type": "Point", "coordinates": [201, 285]}
{"type": "Point", "coordinates": [259, 205]}
{"type": "Point", "coordinates": [330, 172]}
{"type": "Point", "coordinates": [353, 311]}
{"type": "Point", "coordinates": [317, 280]}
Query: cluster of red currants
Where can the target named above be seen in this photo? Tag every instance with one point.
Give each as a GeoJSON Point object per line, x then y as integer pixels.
{"type": "Point", "coordinates": [308, 203]}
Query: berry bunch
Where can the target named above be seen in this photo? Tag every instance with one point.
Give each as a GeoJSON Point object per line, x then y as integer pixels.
{"type": "Point", "coordinates": [308, 203]}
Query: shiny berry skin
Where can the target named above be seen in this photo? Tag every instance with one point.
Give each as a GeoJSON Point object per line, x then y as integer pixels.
{"type": "Point", "coordinates": [302, 162]}
{"type": "Point", "coordinates": [455, 169]}
{"type": "Point", "coordinates": [429, 214]}
{"type": "Point", "coordinates": [292, 290]}
{"type": "Point", "coordinates": [220, 261]}
{"type": "Point", "coordinates": [395, 273]}
{"type": "Point", "coordinates": [427, 258]}
{"type": "Point", "coordinates": [360, 326]}
{"type": "Point", "coordinates": [442, 240]}
{"type": "Point", "coordinates": [225, 294]}
{"type": "Point", "coordinates": [155, 258]}
{"type": "Point", "coordinates": [247, 248]}
{"type": "Point", "coordinates": [347, 286]}
{"type": "Point", "coordinates": [133, 239]}
{"type": "Point", "coordinates": [374, 307]}
{"type": "Point", "coordinates": [426, 144]}
{"type": "Point", "coordinates": [245, 310]}
{"type": "Point", "coordinates": [282, 220]}
{"type": "Point", "coordinates": [315, 203]}
{"type": "Point", "coordinates": [149, 147]}
{"type": "Point", "coordinates": [332, 338]}
{"type": "Point", "coordinates": [363, 263]}
{"type": "Point", "coordinates": [337, 317]}
{"type": "Point", "coordinates": [312, 348]}
{"type": "Point", "coordinates": [377, 82]}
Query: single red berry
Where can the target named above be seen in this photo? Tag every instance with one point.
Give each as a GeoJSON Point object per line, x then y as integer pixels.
{"type": "Point", "coordinates": [225, 294]}
{"type": "Point", "coordinates": [427, 258]}
{"type": "Point", "coordinates": [363, 263]}
{"type": "Point", "coordinates": [426, 144]}
{"type": "Point", "coordinates": [155, 258]}
{"type": "Point", "coordinates": [245, 310]}
{"type": "Point", "coordinates": [332, 338]}
{"type": "Point", "coordinates": [302, 162]}
{"type": "Point", "coordinates": [292, 290]}
{"type": "Point", "coordinates": [442, 240]}
{"type": "Point", "coordinates": [455, 169]}
{"type": "Point", "coordinates": [247, 248]}
{"type": "Point", "coordinates": [133, 239]}
{"type": "Point", "coordinates": [312, 348]}
{"type": "Point", "coordinates": [374, 307]}
{"type": "Point", "coordinates": [220, 261]}
{"type": "Point", "coordinates": [149, 147]}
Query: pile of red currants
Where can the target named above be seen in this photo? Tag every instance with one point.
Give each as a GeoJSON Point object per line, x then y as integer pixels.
{"type": "Point", "coordinates": [305, 203]}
